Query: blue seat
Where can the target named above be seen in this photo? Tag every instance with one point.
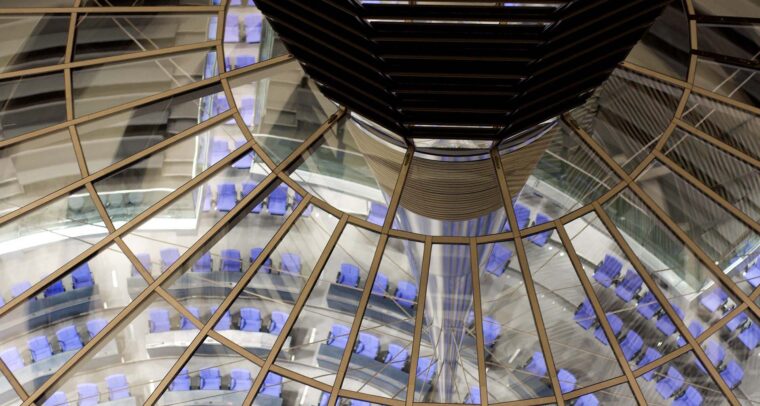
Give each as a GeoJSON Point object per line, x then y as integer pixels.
{"type": "Point", "coordinates": [669, 384]}
{"type": "Point", "coordinates": [537, 364]}
{"type": "Point", "coordinates": [185, 323]}
{"type": "Point", "coordinates": [491, 331]}
{"type": "Point", "coordinates": [587, 400]}
{"type": "Point", "coordinates": [240, 380]}
{"type": "Point", "coordinates": [277, 203]}
{"type": "Point", "coordinates": [297, 200]}
{"type": "Point", "coordinates": [396, 356]}
{"type": "Point", "coordinates": [211, 36]}
{"type": "Point", "coordinates": [608, 271]}
{"type": "Point", "coordinates": [246, 160]}
{"type": "Point", "coordinates": [250, 319]}
{"type": "Point", "coordinates": [377, 213]}
{"type": "Point", "coordinates": [12, 359]}
{"type": "Point", "coordinates": [231, 261]}
{"type": "Point", "coordinates": [203, 264]}
{"type": "Point", "coordinates": [211, 379]}
{"type": "Point", "coordinates": [426, 368]}
{"type": "Point", "coordinates": [714, 299]}
{"type": "Point", "coordinates": [19, 288]}
{"type": "Point", "coordinates": [650, 355]}
{"type": "Point", "coordinates": [473, 397]}
{"type": "Point", "coordinates": [750, 336]}
{"type": "Point", "coordinates": [244, 60]}
{"type": "Point", "coordinates": [715, 352]}
{"type": "Point", "coordinates": [253, 28]}
{"type": "Point", "coordinates": [348, 275]}
{"type": "Point", "coordinates": [247, 189]}
{"type": "Point", "coordinates": [158, 321]}
{"type": "Point", "coordinates": [81, 277]}
{"type": "Point", "coordinates": [40, 349]}
{"type": "Point", "coordinates": [695, 328]}
{"type": "Point", "coordinates": [616, 324]}
{"type": "Point", "coordinates": [226, 197]}
{"type": "Point", "coordinates": [168, 257]}
{"type": "Point", "coordinates": [56, 288]}
{"type": "Point", "coordinates": [737, 322]}
{"type": "Point", "coordinates": [277, 322]}
{"type": "Point", "coordinates": [732, 374]}
{"type": "Point", "coordinates": [338, 335]}
{"type": "Point", "coordinates": [94, 326]}
{"type": "Point", "coordinates": [380, 287]}
{"type": "Point", "coordinates": [225, 322]}
{"type": "Point", "coordinates": [145, 261]}
{"type": "Point", "coordinates": [232, 29]}
{"type": "Point", "coordinates": [219, 148]}
{"type": "Point", "coordinates": [630, 286]}
{"type": "Point", "coordinates": [406, 294]}
{"type": "Point", "coordinates": [354, 402]}
{"type": "Point", "coordinates": [567, 380]}
{"type": "Point", "coordinates": [68, 339]}
{"type": "Point", "coordinates": [266, 266]}
{"type": "Point", "coordinates": [88, 394]}
{"type": "Point", "coordinates": [584, 315]}
{"type": "Point", "coordinates": [181, 382]}
{"type": "Point", "coordinates": [367, 345]}
{"type": "Point", "coordinates": [499, 259]}
{"type": "Point", "coordinates": [665, 324]}
{"type": "Point", "coordinates": [648, 306]}
{"type": "Point", "coordinates": [753, 275]}
{"type": "Point", "coordinates": [689, 397]}
{"type": "Point", "coordinates": [56, 399]}
{"type": "Point", "coordinates": [291, 263]}
{"type": "Point", "coordinates": [324, 399]}
{"type": "Point", "coordinates": [541, 238]}
{"type": "Point", "coordinates": [522, 214]}
{"type": "Point", "coordinates": [631, 345]}
{"type": "Point", "coordinates": [272, 385]}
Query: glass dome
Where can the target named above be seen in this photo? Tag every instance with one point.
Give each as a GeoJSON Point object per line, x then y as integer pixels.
{"type": "Point", "coordinates": [186, 219]}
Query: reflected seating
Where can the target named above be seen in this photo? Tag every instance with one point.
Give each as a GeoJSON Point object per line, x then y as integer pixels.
{"type": "Point", "coordinates": [348, 275]}
{"type": "Point", "coordinates": [247, 102]}
{"type": "Point", "coordinates": [277, 203]}
{"type": "Point", "coordinates": [567, 380]}
{"type": "Point", "coordinates": [608, 271]}
{"type": "Point", "coordinates": [752, 275]}
{"type": "Point", "coordinates": [88, 394]}
{"type": "Point", "coordinates": [56, 399]}
{"type": "Point", "coordinates": [277, 322]}
{"type": "Point", "coordinates": [168, 257]}
{"type": "Point", "coordinates": [665, 324]}
{"type": "Point", "coordinates": [670, 383]}
{"type": "Point", "coordinates": [540, 239]}
{"type": "Point", "coordinates": [616, 324]}
{"type": "Point", "coordinates": [473, 396]}
{"type": "Point", "coordinates": [405, 294]}
{"type": "Point", "coordinates": [267, 265]}
{"type": "Point", "coordinates": [181, 382]}
{"type": "Point", "coordinates": [695, 328]}
{"type": "Point", "coordinates": [81, 277]}
{"type": "Point", "coordinates": [732, 373]}
{"type": "Point", "coordinates": [631, 345]}
{"type": "Point", "coordinates": [737, 323]}
{"type": "Point", "coordinates": [211, 379]}
{"type": "Point", "coordinates": [54, 289]}
{"type": "Point", "coordinates": [185, 323]}
{"type": "Point", "coordinates": [244, 60]}
{"type": "Point", "coordinates": [367, 345]}
{"type": "Point", "coordinates": [145, 261]}
{"type": "Point", "coordinates": [338, 336]}
{"type": "Point", "coordinates": [225, 322]}
{"type": "Point", "coordinates": [715, 352]}
{"type": "Point", "coordinates": [522, 214]}
{"type": "Point", "coordinates": [94, 326]}
{"type": "Point", "coordinates": [499, 260]}
{"type": "Point", "coordinates": [68, 339]}
{"type": "Point", "coordinates": [291, 263]}
{"type": "Point", "coordinates": [587, 400]}
{"type": "Point", "coordinates": [12, 359]}
{"type": "Point", "coordinates": [246, 160]}
{"type": "Point", "coordinates": [247, 189]}
{"type": "Point", "coordinates": [584, 315]}
{"type": "Point", "coordinates": [426, 369]}
{"type": "Point", "coordinates": [536, 365]}
{"type": "Point", "coordinates": [158, 321]}
{"type": "Point", "coordinates": [240, 380]}
{"type": "Point", "coordinates": [39, 348]}
{"type": "Point", "coordinates": [118, 388]}
{"type": "Point", "coordinates": [714, 300]}
{"type": "Point", "coordinates": [630, 286]}
{"type": "Point", "coordinates": [491, 331]}
{"type": "Point", "coordinates": [648, 356]}
{"type": "Point", "coordinates": [396, 356]}
{"type": "Point", "coordinates": [380, 286]}
{"type": "Point", "coordinates": [231, 261]}
{"type": "Point", "coordinates": [253, 28]}
{"type": "Point", "coordinates": [272, 385]}
{"type": "Point", "coordinates": [250, 319]}
{"type": "Point", "coordinates": [203, 264]}
{"type": "Point", "coordinates": [19, 288]}
{"type": "Point", "coordinates": [219, 148]}
{"type": "Point", "coordinates": [750, 336]}
{"type": "Point", "coordinates": [689, 397]}
{"type": "Point", "coordinates": [232, 29]}
{"type": "Point", "coordinates": [377, 213]}
{"type": "Point", "coordinates": [648, 306]}
{"type": "Point", "coordinates": [226, 197]}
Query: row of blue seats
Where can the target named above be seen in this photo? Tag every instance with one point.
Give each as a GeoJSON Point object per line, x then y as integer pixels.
{"type": "Point", "coordinates": [40, 349]}
{"type": "Point", "coordinates": [276, 203]}
{"type": "Point", "coordinates": [236, 3]}
{"type": "Point", "coordinates": [249, 319]}
{"type": "Point", "coordinates": [220, 148]}
{"type": "Point", "coordinates": [231, 261]}
{"type": "Point", "coordinates": [522, 215]}
{"type": "Point", "coordinates": [211, 379]}
{"type": "Point", "coordinates": [405, 294]}
{"type": "Point", "coordinates": [81, 277]}
{"type": "Point", "coordinates": [89, 395]}
{"type": "Point", "coordinates": [252, 26]}
{"type": "Point", "coordinates": [747, 332]}
{"type": "Point", "coordinates": [567, 381]}
{"type": "Point", "coordinates": [236, 62]}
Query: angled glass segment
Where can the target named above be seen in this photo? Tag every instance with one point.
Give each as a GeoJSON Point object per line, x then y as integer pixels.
{"type": "Point", "coordinates": [380, 365]}
{"type": "Point", "coordinates": [214, 375]}
{"type": "Point", "coordinates": [680, 381]}
{"type": "Point", "coordinates": [582, 354]}
{"type": "Point", "coordinates": [46, 238]}
{"type": "Point", "coordinates": [124, 366]}
{"type": "Point", "coordinates": [447, 370]}
{"type": "Point", "coordinates": [281, 107]}
{"type": "Point", "coordinates": [320, 333]}
{"type": "Point", "coordinates": [728, 80]}
{"type": "Point", "coordinates": [733, 352]}
{"type": "Point", "coordinates": [448, 196]}
{"type": "Point", "coordinates": [257, 317]}
{"type": "Point", "coordinates": [277, 388]}
{"type": "Point", "coordinates": [102, 35]}
{"type": "Point", "coordinates": [142, 3]}
{"type": "Point", "coordinates": [42, 333]}
{"type": "Point", "coordinates": [665, 47]}
{"type": "Point", "coordinates": [515, 366]}
{"type": "Point", "coordinates": [351, 171]}
{"type": "Point", "coordinates": [35, 168]}
{"type": "Point", "coordinates": [31, 41]}
{"type": "Point", "coordinates": [554, 175]}
{"type": "Point", "coordinates": [112, 138]}
{"type": "Point", "coordinates": [30, 103]}
{"type": "Point", "coordinates": [248, 37]}
{"type": "Point", "coordinates": [616, 395]}
{"type": "Point", "coordinates": [728, 124]}
{"type": "Point", "coordinates": [735, 181]}
{"type": "Point", "coordinates": [627, 115]}
{"type": "Point", "coordinates": [724, 238]}
{"type": "Point", "coordinates": [99, 87]}
{"type": "Point", "coordinates": [729, 9]}
{"type": "Point", "coordinates": [129, 191]}
{"type": "Point", "coordinates": [733, 40]}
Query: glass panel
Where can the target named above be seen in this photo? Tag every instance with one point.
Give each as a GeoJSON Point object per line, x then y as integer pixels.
{"type": "Point", "coordinates": [737, 83]}
{"type": "Point", "coordinates": [128, 364]}
{"type": "Point", "coordinates": [447, 371]}
{"type": "Point", "coordinates": [130, 191]}
{"type": "Point", "coordinates": [248, 37]}
{"type": "Point", "coordinates": [738, 41]}
{"type": "Point", "coordinates": [735, 127]}
{"type": "Point", "coordinates": [351, 171]}
{"type": "Point", "coordinates": [292, 392]}
{"type": "Point", "coordinates": [321, 330]}
{"type": "Point", "coordinates": [628, 114]}
{"type": "Point", "coordinates": [732, 179]}
{"type": "Point", "coordinates": [39, 335]}
{"type": "Point", "coordinates": [665, 47]}
{"type": "Point", "coordinates": [102, 35]}
{"type": "Point", "coordinates": [582, 355]}
{"type": "Point", "coordinates": [388, 323]}
{"type": "Point", "coordinates": [46, 238]}
{"type": "Point", "coordinates": [126, 3]}
{"type": "Point", "coordinates": [616, 395]}
{"type": "Point", "coordinates": [36, 168]}
{"type": "Point", "coordinates": [112, 138]}
{"type": "Point", "coordinates": [281, 107]}
{"type": "Point", "coordinates": [726, 8]}
{"type": "Point", "coordinates": [514, 363]}
{"type": "Point", "coordinates": [32, 41]}
{"type": "Point", "coordinates": [100, 87]}
{"type": "Point", "coordinates": [681, 381]}
{"type": "Point", "coordinates": [30, 103]}
{"type": "Point", "coordinates": [8, 396]}
{"type": "Point", "coordinates": [265, 304]}
{"type": "Point", "coordinates": [724, 238]}
{"type": "Point", "coordinates": [214, 375]}
{"type": "Point", "coordinates": [555, 175]}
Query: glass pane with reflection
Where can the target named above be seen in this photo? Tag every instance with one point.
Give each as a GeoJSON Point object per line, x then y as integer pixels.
{"type": "Point", "coordinates": [248, 37]}
{"type": "Point", "coordinates": [680, 381]}
{"type": "Point", "coordinates": [292, 392]}
{"type": "Point", "coordinates": [665, 47]}
{"type": "Point", "coordinates": [727, 80]}
{"type": "Point", "coordinates": [30, 41]}
{"type": "Point", "coordinates": [30, 103]}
